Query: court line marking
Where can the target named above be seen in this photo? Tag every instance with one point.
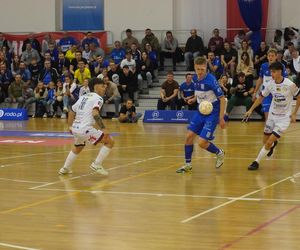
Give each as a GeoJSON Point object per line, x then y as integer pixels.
{"type": "Point", "coordinates": [25, 181]}
{"type": "Point", "coordinates": [234, 200]}
{"type": "Point", "coordinates": [113, 168]}
{"type": "Point", "coordinates": [164, 195]}
{"type": "Point", "coordinates": [75, 193]}
{"type": "Point", "coordinates": [16, 246]}
{"type": "Point", "coordinates": [261, 227]}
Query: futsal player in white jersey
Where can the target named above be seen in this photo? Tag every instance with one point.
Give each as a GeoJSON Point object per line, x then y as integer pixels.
{"type": "Point", "coordinates": [280, 115]}
{"type": "Point", "coordinates": [86, 125]}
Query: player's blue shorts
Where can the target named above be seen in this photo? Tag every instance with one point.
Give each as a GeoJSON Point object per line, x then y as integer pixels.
{"type": "Point", "coordinates": [204, 125]}
{"type": "Point", "coordinates": [266, 103]}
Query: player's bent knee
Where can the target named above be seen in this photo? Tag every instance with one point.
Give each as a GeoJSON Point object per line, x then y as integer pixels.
{"type": "Point", "coordinates": [203, 143]}
{"type": "Point", "coordinates": [107, 140]}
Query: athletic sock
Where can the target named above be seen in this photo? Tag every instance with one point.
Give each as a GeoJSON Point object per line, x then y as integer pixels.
{"type": "Point", "coordinates": [70, 159]}
{"type": "Point", "coordinates": [213, 148]}
{"type": "Point", "coordinates": [103, 153]}
{"type": "Point", "coordinates": [262, 154]}
{"type": "Point", "coordinates": [188, 149]}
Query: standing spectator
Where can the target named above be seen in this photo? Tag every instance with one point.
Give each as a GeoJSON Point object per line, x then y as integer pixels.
{"type": "Point", "coordinates": [129, 40]}
{"type": "Point", "coordinates": [46, 41]}
{"type": "Point", "coordinates": [128, 83]}
{"type": "Point", "coordinates": [15, 65]}
{"type": "Point", "coordinates": [25, 73]}
{"type": "Point", "coordinates": [29, 53]}
{"type": "Point", "coordinates": [6, 78]}
{"type": "Point", "coordinates": [15, 92]}
{"type": "Point", "coordinates": [214, 65]}
{"type": "Point", "coordinates": [261, 56]}
{"type": "Point", "coordinates": [4, 42]}
{"type": "Point", "coordinates": [169, 47]}
{"type": "Point", "coordinates": [228, 59]}
{"type": "Point", "coordinates": [81, 73]}
{"type": "Point", "coordinates": [113, 71]}
{"type": "Point", "coordinates": [128, 113]}
{"type": "Point", "coordinates": [40, 95]}
{"type": "Point", "coordinates": [168, 93]}
{"type": "Point", "coordinates": [48, 74]}
{"type": "Point", "coordinates": [66, 42]}
{"type": "Point", "coordinates": [34, 69]}
{"type": "Point", "coordinates": [151, 39]}
{"type": "Point", "coordinates": [118, 53]}
{"type": "Point", "coordinates": [35, 44]}
{"type": "Point", "coordinates": [194, 47]}
{"type": "Point", "coordinates": [58, 98]}
{"type": "Point", "coordinates": [216, 39]}
{"type": "Point", "coordinates": [246, 66]}
{"type": "Point", "coordinates": [28, 96]}
{"type": "Point", "coordinates": [112, 94]}
{"type": "Point", "coordinates": [187, 92]}
{"type": "Point", "coordinates": [90, 39]}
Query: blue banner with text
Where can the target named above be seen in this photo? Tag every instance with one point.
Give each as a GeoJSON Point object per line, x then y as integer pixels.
{"type": "Point", "coordinates": [13, 114]}
{"type": "Point", "coordinates": [168, 116]}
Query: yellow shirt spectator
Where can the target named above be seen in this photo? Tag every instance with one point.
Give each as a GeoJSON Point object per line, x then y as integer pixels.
{"type": "Point", "coordinates": [81, 75]}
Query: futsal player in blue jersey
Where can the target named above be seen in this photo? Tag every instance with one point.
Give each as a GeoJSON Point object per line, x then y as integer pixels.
{"type": "Point", "coordinates": [206, 89]}
{"type": "Point", "coordinates": [264, 78]}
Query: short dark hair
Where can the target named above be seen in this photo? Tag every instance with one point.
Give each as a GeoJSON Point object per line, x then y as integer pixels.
{"type": "Point", "coordinates": [94, 81]}
{"type": "Point", "coordinates": [125, 67]}
{"type": "Point", "coordinates": [276, 66]}
{"type": "Point", "coordinates": [170, 73]}
{"type": "Point", "coordinates": [188, 74]}
{"type": "Point", "coordinates": [290, 44]}
{"type": "Point", "coordinates": [129, 30]}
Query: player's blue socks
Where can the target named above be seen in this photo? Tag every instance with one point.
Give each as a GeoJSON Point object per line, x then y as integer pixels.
{"type": "Point", "coordinates": [213, 149]}
{"type": "Point", "coordinates": [188, 149]}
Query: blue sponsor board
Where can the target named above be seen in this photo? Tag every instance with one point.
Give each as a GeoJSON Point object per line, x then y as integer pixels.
{"type": "Point", "coordinates": [168, 116]}
{"type": "Point", "coordinates": [13, 114]}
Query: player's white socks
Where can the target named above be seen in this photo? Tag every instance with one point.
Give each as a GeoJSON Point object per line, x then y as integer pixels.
{"type": "Point", "coordinates": [103, 153]}
{"type": "Point", "coordinates": [262, 154]}
{"type": "Point", "coordinates": [70, 159]}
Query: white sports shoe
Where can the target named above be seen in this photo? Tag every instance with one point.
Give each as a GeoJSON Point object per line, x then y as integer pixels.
{"type": "Point", "coordinates": [63, 171]}
{"type": "Point", "coordinates": [220, 159]}
{"type": "Point", "coordinates": [99, 169]}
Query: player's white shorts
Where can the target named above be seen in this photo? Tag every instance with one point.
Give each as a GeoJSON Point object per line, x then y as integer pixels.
{"type": "Point", "coordinates": [90, 135]}
{"type": "Point", "coordinates": [277, 125]}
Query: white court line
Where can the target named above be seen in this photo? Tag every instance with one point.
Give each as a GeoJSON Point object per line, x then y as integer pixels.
{"type": "Point", "coordinates": [236, 199]}
{"type": "Point", "coordinates": [165, 195]}
{"type": "Point", "coordinates": [25, 181]}
{"type": "Point", "coordinates": [113, 168]}
{"type": "Point", "coordinates": [16, 247]}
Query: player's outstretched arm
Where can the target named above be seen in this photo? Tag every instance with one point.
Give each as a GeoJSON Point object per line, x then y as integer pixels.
{"type": "Point", "coordinates": [97, 118]}
{"type": "Point", "coordinates": [294, 114]}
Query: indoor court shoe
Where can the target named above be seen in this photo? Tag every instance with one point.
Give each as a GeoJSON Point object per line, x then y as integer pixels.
{"type": "Point", "coordinates": [98, 168]}
{"type": "Point", "coordinates": [220, 159]}
{"type": "Point", "coordinates": [272, 149]}
{"type": "Point", "coordinates": [253, 166]}
{"type": "Point", "coordinates": [63, 171]}
{"type": "Point", "coordinates": [184, 169]}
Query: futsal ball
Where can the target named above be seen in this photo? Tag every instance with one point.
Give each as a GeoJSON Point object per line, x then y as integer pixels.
{"type": "Point", "coordinates": [205, 107]}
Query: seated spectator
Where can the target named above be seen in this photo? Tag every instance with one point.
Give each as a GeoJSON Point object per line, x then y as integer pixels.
{"type": "Point", "coordinates": [90, 39]}
{"type": "Point", "coordinates": [214, 65]}
{"type": "Point", "coordinates": [103, 74]}
{"type": "Point", "coordinates": [287, 56]}
{"type": "Point", "coordinates": [53, 52]}
{"type": "Point", "coordinates": [30, 53]}
{"type": "Point", "coordinates": [152, 54]}
{"type": "Point", "coordinates": [50, 99]}
{"type": "Point", "coordinates": [84, 88]}
{"type": "Point", "coordinates": [112, 94]}
{"type": "Point", "coordinates": [295, 65]}
{"type": "Point", "coordinates": [261, 56]}
{"type": "Point", "coordinates": [6, 78]}
{"type": "Point", "coordinates": [4, 42]}
{"type": "Point", "coordinates": [7, 55]}
{"type": "Point", "coordinates": [75, 61]}
{"type": "Point", "coordinates": [14, 67]}
{"type": "Point", "coordinates": [146, 69]}
{"type": "Point", "coordinates": [118, 53]}
{"type": "Point", "coordinates": [34, 43]}
{"type": "Point", "coordinates": [290, 74]}
{"type": "Point", "coordinates": [280, 57]}
{"type": "Point", "coordinates": [151, 39]}
{"type": "Point", "coordinates": [95, 52]}
{"type": "Point", "coordinates": [217, 40]}
{"type": "Point", "coordinates": [129, 40]}
{"type": "Point", "coordinates": [169, 48]}
{"type": "Point", "coordinates": [97, 66]}
{"type": "Point", "coordinates": [113, 71]}
{"type": "Point", "coordinates": [40, 95]}
{"type": "Point", "coordinates": [66, 42]}
{"type": "Point", "coordinates": [128, 83]}
{"type": "Point", "coordinates": [70, 54]}
{"type": "Point", "coordinates": [187, 92]}
{"type": "Point", "coordinates": [136, 53]}
{"type": "Point", "coordinates": [278, 40]}
{"type": "Point", "coordinates": [62, 62]}
{"type": "Point", "coordinates": [86, 52]}
{"type": "Point", "coordinates": [25, 73]}
{"type": "Point", "coordinates": [228, 59]}
{"type": "Point", "coordinates": [240, 37]}
{"type": "Point", "coordinates": [81, 73]}
{"type": "Point", "coordinates": [48, 74]}
{"type": "Point", "coordinates": [28, 97]}
{"type": "Point", "coordinates": [291, 34]}
{"type": "Point", "coordinates": [246, 66]}
{"type": "Point", "coordinates": [34, 69]}
{"type": "Point", "coordinates": [58, 99]}
{"type": "Point", "coordinates": [241, 91]}
{"type": "Point", "coordinates": [245, 48]}
{"type": "Point", "coordinates": [225, 85]}
{"type": "Point", "coordinates": [193, 48]}
{"type": "Point", "coordinates": [3, 59]}
{"type": "Point", "coordinates": [168, 93]}
{"type": "Point", "coordinates": [128, 61]}
{"type": "Point", "coordinates": [15, 92]}
{"type": "Point", "coordinates": [45, 43]}
{"type": "Point", "coordinates": [128, 113]}
{"type": "Point", "coordinates": [213, 48]}
{"type": "Point", "coordinates": [68, 98]}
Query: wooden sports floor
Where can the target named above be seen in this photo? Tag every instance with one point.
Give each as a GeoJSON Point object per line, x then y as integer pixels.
{"type": "Point", "coordinates": [143, 204]}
